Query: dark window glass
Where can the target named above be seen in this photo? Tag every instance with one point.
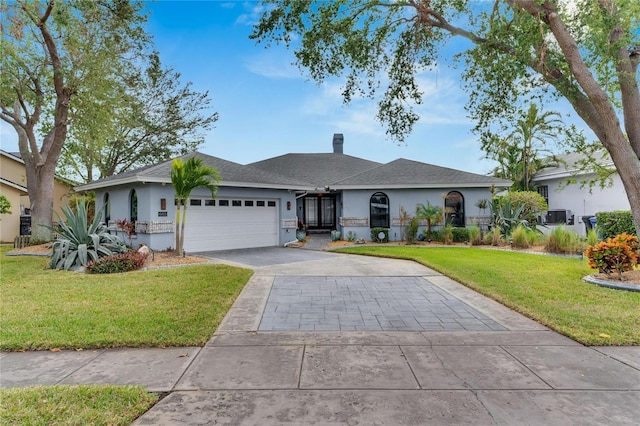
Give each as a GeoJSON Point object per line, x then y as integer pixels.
{"type": "Point", "coordinates": [260, 203]}
{"type": "Point", "coordinates": [133, 206]}
{"type": "Point", "coordinates": [271, 203]}
{"type": "Point", "coordinates": [236, 203]}
{"type": "Point", "coordinates": [195, 202]}
{"type": "Point", "coordinates": [223, 203]}
{"type": "Point", "coordinates": [209, 202]}
{"type": "Point", "coordinates": [379, 210]}
{"type": "Point", "coordinates": [454, 208]}
{"type": "Point", "coordinates": [107, 208]}
{"type": "Point", "coordinates": [248, 203]}
{"type": "Point", "coordinates": [544, 191]}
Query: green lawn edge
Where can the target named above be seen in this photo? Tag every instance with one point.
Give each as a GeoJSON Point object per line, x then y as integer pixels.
{"type": "Point", "coordinates": [74, 405]}
{"type": "Point", "coordinates": [547, 289]}
{"type": "Point", "coordinates": [43, 309]}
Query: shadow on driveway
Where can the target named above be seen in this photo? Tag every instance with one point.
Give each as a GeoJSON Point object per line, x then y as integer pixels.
{"type": "Point", "coordinates": [265, 256]}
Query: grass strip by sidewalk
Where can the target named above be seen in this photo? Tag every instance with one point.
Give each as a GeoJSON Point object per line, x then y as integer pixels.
{"type": "Point", "coordinates": [44, 309]}
{"type": "Point", "coordinates": [74, 405]}
{"type": "Point", "coordinates": [548, 289]}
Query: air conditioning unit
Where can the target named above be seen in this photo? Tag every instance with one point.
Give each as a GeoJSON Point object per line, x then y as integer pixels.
{"type": "Point", "coordinates": [559, 216]}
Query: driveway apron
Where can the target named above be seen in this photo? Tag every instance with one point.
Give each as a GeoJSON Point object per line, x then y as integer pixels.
{"type": "Point", "coordinates": [323, 338]}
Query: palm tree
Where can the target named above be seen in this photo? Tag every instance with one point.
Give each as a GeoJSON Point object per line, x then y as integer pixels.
{"type": "Point", "coordinates": [531, 134]}
{"type": "Point", "coordinates": [432, 214]}
{"type": "Point", "coordinates": [185, 177]}
{"type": "Point", "coordinates": [519, 154]}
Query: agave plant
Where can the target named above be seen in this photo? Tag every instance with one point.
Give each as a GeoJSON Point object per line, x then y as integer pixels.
{"type": "Point", "coordinates": [507, 216]}
{"type": "Point", "coordinates": [78, 242]}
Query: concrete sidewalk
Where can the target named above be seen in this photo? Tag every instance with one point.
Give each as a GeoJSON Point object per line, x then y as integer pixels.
{"type": "Point", "coordinates": [519, 372]}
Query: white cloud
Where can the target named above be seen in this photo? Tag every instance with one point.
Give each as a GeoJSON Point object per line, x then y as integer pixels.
{"type": "Point", "coordinates": [253, 14]}
{"type": "Point", "coordinates": [273, 64]}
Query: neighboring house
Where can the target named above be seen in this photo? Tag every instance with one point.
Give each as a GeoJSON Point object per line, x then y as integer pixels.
{"type": "Point", "coordinates": [260, 204]}
{"type": "Point", "coordinates": [13, 185]}
{"type": "Point", "coordinates": [573, 203]}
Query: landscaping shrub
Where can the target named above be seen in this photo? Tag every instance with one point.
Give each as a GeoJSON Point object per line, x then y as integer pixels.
{"type": "Point", "coordinates": [460, 235]}
{"type": "Point", "coordinates": [520, 237]}
{"type": "Point", "coordinates": [411, 230]}
{"type": "Point", "coordinates": [592, 237]}
{"type": "Point", "coordinates": [376, 231]}
{"type": "Point", "coordinates": [434, 235]}
{"type": "Point", "coordinates": [615, 223]}
{"type": "Point", "coordinates": [533, 204]}
{"type": "Point", "coordinates": [78, 242]}
{"type": "Point", "coordinates": [507, 216]}
{"type": "Point", "coordinates": [124, 262]}
{"type": "Point", "coordinates": [446, 234]}
{"type": "Point", "coordinates": [495, 237]}
{"type": "Point", "coordinates": [619, 254]}
{"type": "Point", "coordinates": [561, 240]}
{"type": "Point", "coordinates": [475, 236]}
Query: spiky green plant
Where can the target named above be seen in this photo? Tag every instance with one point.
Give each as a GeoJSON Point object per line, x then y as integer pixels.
{"type": "Point", "coordinates": [78, 242]}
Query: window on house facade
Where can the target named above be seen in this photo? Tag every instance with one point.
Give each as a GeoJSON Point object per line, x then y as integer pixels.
{"type": "Point", "coordinates": [544, 191]}
{"type": "Point", "coordinates": [454, 208]}
{"type": "Point", "coordinates": [133, 206]}
{"type": "Point", "coordinates": [107, 209]}
{"type": "Point", "coordinates": [195, 202]}
{"type": "Point", "coordinates": [379, 210]}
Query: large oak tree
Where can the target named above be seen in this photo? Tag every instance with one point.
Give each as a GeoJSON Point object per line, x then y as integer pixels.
{"type": "Point", "coordinates": [53, 52]}
{"type": "Point", "coordinates": [586, 51]}
{"type": "Point", "coordinates": [151, 117]}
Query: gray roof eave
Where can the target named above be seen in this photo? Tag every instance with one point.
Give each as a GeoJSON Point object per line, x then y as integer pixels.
{"type": "Point", "coordinates": [423, 185]}
{"type": "Point", "coordinates": [149, 179]}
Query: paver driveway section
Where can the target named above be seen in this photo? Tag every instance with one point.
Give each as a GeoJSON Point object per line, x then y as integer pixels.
{"type": "Point", "coordinates": [300, 303]}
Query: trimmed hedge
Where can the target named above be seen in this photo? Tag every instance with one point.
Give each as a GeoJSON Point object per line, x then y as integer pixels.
{"type": "Point", "coordinates": [460, 235]}
{"type": "Point", "coordinates": [615, 223]}
{"type": "Point", "coordinates": [376, 231]}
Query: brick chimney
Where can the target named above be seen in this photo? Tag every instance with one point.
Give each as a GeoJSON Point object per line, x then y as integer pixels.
{"type": "Point", "coordinates": [338, 141]}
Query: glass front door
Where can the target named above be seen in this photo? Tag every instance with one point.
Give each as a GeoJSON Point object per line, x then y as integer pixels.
{"type": "Point", "coordinates": [320, 211]}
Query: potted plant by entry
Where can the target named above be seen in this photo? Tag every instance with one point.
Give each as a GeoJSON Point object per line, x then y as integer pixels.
{"type": "Point", "coordinates": [301, 231]}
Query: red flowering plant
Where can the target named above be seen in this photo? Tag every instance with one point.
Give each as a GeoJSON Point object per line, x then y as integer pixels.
{"type": "Point", "coordinates": [616, 254]}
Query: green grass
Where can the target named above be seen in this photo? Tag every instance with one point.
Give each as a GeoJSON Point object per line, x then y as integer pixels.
{"type": "Point", "coordinates": [547, 289]}
{"type": "Point", "coordinates": [74, 405]}
{"type": "Point", "coordinates": [43, 309]}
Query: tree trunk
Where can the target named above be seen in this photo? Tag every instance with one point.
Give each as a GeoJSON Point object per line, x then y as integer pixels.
{"type": "Point", "coordinates": [40, 183]}
{"type": "Point", "coordinates": [184, 219]}
{"type": "Point", "coordinates": [628, 165]}
{"type": "Point", "coordinates": [178, 230]}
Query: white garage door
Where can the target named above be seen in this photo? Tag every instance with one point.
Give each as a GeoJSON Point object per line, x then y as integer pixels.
{"type": "Point", "coordinates": [230, 223]}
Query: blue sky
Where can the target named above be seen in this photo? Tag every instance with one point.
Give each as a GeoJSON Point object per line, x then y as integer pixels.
{"type": "Point", "coordinates": [267, 107]}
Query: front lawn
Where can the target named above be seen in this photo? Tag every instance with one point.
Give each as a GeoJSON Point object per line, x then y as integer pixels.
{"type": "Point", "coordinates": [547, 289]}
{"type": "Point", "coordinates": [44, 309]}
{"type": "Point", "coordinates": [74, 405]}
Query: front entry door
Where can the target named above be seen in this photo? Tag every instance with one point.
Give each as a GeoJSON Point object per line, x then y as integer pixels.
{"type": "Point", "coordinates": [320, 211]}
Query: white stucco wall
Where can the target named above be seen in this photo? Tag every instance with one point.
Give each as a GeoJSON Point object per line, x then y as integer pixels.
{"type": "Point", "coordinates": [355, 204]}
{"type": "Point", "coordinates": [149, 196]}
{"type": "Point", "coordinates": [583, 201]}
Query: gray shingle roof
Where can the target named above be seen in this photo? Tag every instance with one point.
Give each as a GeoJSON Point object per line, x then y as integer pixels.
{"type": "Point", "coordinates": [409, 173]}
{"type": "Point", "coordinates": [230, 173]}
{"type": "Point", "coordinates": [318, 170]}
{"type": "Point", "coordinates": [310, 171]}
